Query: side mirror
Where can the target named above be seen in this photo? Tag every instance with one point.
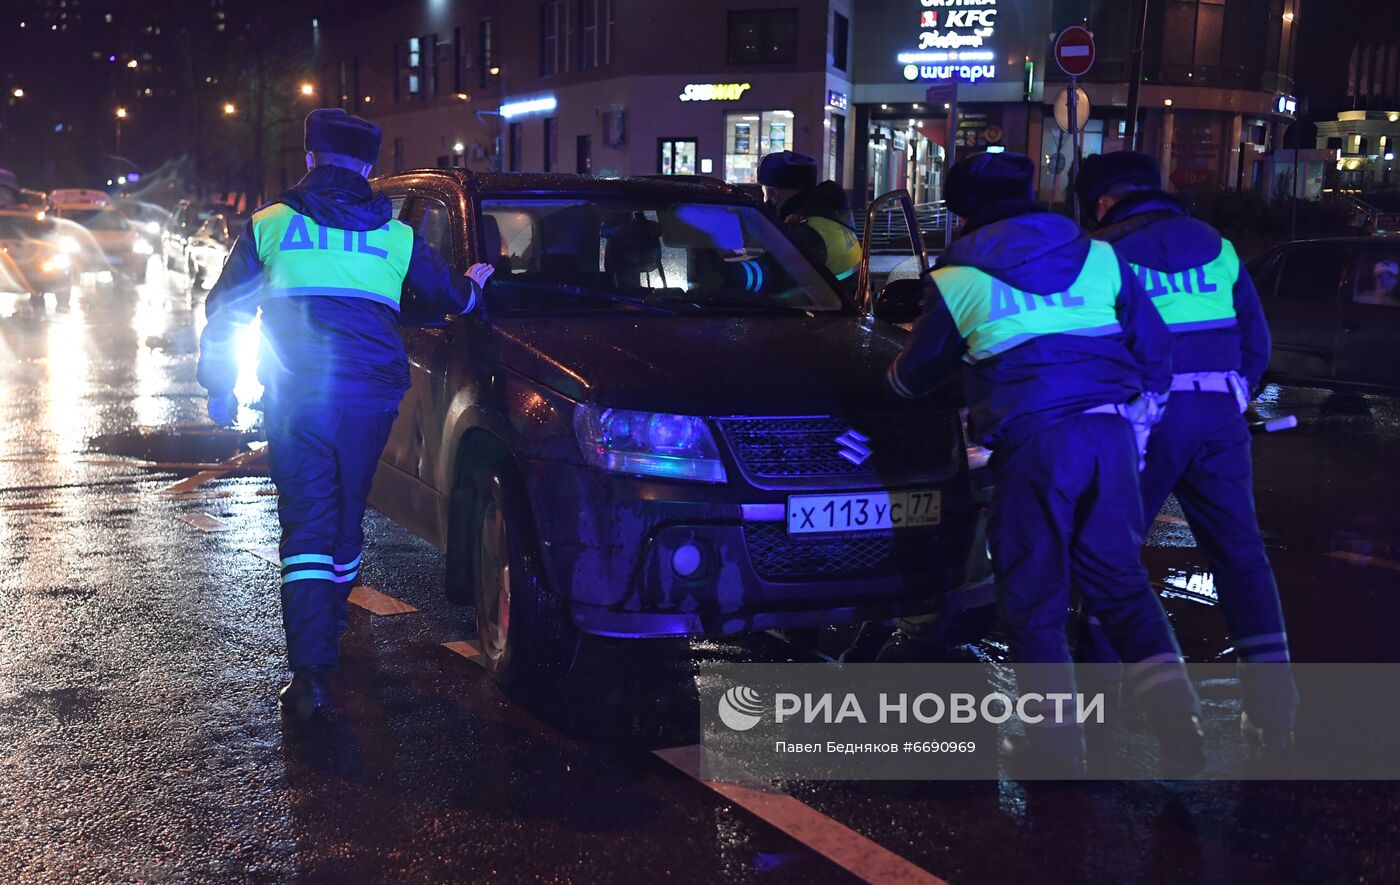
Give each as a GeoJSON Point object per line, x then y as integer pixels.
{"type": "Point", "coordinates": [902, 301]}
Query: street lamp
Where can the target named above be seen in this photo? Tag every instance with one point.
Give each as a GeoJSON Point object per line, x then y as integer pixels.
{"type": "Point", "coordinates": [308, 89]}
{"type": "Point", "coordinates": [18, 93]}
{"type": "Point", "coordinates": [229, 109]}
{"type": "Point", "coordinates": [121, 115]}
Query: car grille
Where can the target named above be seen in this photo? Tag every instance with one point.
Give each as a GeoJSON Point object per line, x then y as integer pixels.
{"type": "Point", "coordinates": [902, 446]}
{"type": "Point", "coordinates": [778, 556]}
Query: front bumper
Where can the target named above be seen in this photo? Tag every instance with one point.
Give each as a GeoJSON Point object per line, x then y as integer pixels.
{"type": "Point", "coordinates": [609, 547]}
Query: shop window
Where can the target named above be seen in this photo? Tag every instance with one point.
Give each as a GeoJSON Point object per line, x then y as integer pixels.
{"type": "Point", "coordinates": [596, 35]}
{"type": "Point", "coordinates": [840, 40]}
{"type": "Point", "coordinates": [763, 37]}
{"type": "Point", "coordinates": [677, 156]}
{"type": "Point", "coordinates": [748, 136]}
{"type": "Point", "coordinates": [408, 60]}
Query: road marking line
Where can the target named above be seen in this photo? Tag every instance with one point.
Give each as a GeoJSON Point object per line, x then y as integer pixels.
{"type": "Point", "coordinates": [1363, 560]}
{"type": "Point", "coordinates": [1173, 520]}
{"type": "Point", "coordinates": [268, 553]}
{"type": "Point", "coordinates": [203, 521]}
{"type": "Point", "coordinates": [235, 463]}
{"type": "Point", "coordinates": [29, 505]}
{"type": "Point", "coordinates": [381, 604]}
{"type": "Point", "coordinates": [468, 650]}
{"type": "Point", "coordinates": [835, 841]}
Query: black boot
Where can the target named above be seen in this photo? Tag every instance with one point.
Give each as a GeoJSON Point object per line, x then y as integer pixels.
{"type": "Point", "coordinates": [1183, 746]}
{"type": "Point", "coordinates": [308, 692]}
{"type": "Point", "coordinates": [1269, 750]}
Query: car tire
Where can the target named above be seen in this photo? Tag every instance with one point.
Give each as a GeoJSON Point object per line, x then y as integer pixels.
{"type": "Point", "coordinates": [527, 641]}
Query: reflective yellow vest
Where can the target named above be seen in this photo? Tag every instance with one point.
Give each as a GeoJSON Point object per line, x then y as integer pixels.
{"type": "Point", "coordinates": [303, 258]}
{"type": "Point", "coordinates": [993, 316]}
{"type": "Point", "coordinates": [842, 246]}
{"type": "Point", "coordinates": [1201, 297]}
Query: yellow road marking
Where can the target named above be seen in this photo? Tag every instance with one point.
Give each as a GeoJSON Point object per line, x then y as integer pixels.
{"type": "Point", "coordinates": [378, 603]}
{"type": "Point", "coordinates": [203, 521]}
{"type": "Point", "coordinates": [1363, 560]}
{"type": "Point", "coordinates": [268, 553]}
{"type": "Point", "coordinates": [192, 482]}
{"type": "Point", "coordinates": [29, 505]}
{"type": "Point", "coordinates": [835, 841]}
{"type": "Point", "coordinates": [1173, 520]}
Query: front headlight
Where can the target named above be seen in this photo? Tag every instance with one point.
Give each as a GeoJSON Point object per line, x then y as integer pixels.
{"type": "Point", "coordinates": [68, 244]}
{"type": "Point", "coordinates": [648, 444]}
{"type": "Point", "coordinates": [141, 247]}
{"type": "Point", "coordinates": [58, 262]}
{"type": "Point", "coordinates": [152, 227]}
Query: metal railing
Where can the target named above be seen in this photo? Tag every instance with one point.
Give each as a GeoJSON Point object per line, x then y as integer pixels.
{"type": "Point", "coordinates": [888, 231]}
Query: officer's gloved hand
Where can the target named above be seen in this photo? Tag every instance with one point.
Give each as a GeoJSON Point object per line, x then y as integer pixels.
{"type": "Point", "coordinates": [1143, 413]}
{"type": "Point", "coordinates": [223, 410]}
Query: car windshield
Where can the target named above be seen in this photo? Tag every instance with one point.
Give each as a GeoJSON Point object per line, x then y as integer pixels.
{"type": "Point", "coordinates": [96, 219]}
{"type": "Point", "coordinates": [564, 254]}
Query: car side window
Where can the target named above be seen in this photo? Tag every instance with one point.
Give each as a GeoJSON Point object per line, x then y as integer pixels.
{"type": "Point", "coordinates": [1312, 274]}
{"type": "Point", "coordinates": [434, 225]}
{"type": "Point", "coordinates": [398, 201]}
{"type": "Point", "coordinates": [1375, 277]}
{"type": "Point", "coordinates": [1264, 272]}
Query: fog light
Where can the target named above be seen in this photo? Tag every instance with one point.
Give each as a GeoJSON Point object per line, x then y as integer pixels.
{"type": "Point", "coordinates": [687, 561]}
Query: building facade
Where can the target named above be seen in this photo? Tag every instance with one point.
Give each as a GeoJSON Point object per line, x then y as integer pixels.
{"type": "Point", "coordinates": [1362, 145]}
{"type": "Point", "coordinates": [615, 87]}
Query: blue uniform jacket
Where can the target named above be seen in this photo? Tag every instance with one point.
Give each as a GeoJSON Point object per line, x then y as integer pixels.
{"type": "Point", "coordinates": [320, 349]}
{"type": "Point", "coordinates": [1051, 377]}
{"type": "Point", "coordinates": [1153, 229]}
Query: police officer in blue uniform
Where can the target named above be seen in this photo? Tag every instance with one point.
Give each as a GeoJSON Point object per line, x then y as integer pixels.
{"type": "Point", "coordinates": [816, 214]}
{"type": "Point", "coordinates": [1057, 345]}
{"type": "Point", "coordinates": [1201, 449]}
{"type": "Point", "coordinates": [326, 265]}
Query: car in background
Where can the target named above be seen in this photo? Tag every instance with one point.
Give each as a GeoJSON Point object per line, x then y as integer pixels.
{"type": "Point", "coordinates": [147, 220]}
{"type": "Point", "coordinates": [631, 441]}
{"type": "Point", "coordinates": [208, 248]}
{"type": "Point", "coordinates": [1333, 307]}
{"type": "Point", "coordinates": [33, 259]}
{"type": "Point", "coordinates": [180, 230]}
{"type": "Point", "coordinates": [108, 239]}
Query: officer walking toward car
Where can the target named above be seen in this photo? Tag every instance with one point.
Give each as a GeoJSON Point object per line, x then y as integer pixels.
{"type": "Point", "coordinates": [1058, 345]}
{"type": "Point", "coordinates": [326, 264]}
{"type": "Point", "coordinates": [1201, 449]}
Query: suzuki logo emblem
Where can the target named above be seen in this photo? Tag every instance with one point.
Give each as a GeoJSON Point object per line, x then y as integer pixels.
{"type": "Point", "coordinates": [855, 447]}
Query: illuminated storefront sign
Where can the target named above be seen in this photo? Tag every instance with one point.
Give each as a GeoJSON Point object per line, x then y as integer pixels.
{"type": "Point", "coordinates": [532, 106]}
{"type": "Point", "coordinates": [953, 37]}
{"type": "Point", "coordinates": [1286, 104]}
{"type": "Point", "coordinates": [714, 91]}
{"type": "Point", "coordinates": [837, 100]}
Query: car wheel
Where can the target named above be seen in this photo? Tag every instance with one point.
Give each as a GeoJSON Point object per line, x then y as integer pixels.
{"type": "Point", "coordinates": [525, 635]}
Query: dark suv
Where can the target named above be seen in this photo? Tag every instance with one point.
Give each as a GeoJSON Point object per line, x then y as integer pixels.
{"type": "Point", "coordinates": [667, 422]}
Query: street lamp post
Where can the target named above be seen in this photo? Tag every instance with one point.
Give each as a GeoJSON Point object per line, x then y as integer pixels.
{"type": "Point", "coordinates": [121, 115]}
{"type": "Point", "coordinates": [1135, 80]}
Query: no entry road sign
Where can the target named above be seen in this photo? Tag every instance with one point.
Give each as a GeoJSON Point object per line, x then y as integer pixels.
{"type": "Point", "coordinates": [1074, 50]}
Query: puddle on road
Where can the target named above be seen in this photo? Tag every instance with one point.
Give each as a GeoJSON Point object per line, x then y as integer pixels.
{"type": "Point", "coordinates": [172, 445]}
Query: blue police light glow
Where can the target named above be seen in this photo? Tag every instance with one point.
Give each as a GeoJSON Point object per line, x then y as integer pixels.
{"type": "Point", "coordinates": [532, 106]}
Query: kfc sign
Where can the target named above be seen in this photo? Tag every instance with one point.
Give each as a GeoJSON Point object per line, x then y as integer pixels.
{"type": "Point", "coordinates": [954, 24]}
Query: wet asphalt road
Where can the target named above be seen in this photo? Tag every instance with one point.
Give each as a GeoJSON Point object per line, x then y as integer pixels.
{"type": "Point", "coordinates": [140, 655]}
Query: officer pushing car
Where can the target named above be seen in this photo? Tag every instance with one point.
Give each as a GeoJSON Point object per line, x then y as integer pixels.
{"type": "Point", "coordinates": [1201, 449]}
{"type": "Point", "coordinates": [1058, 346]}
{"type": "Point", "coordinates": [326, 264]}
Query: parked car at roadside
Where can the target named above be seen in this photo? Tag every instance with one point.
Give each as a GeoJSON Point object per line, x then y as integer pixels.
{"type": "Point", "coordinates": [629, 443]}
{"type": "Point", "coordinates": [180, 230]}
{"type": "Point", "coordinates": [1334, 311]}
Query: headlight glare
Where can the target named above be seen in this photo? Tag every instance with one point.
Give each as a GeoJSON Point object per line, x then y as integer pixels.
{"type": "Point", "coordinates": [152, 227]}
{"type": "Point", "coordinates": [141, 247]}
{"type": "Point", "coordinates": [648, 444]}
{"type": "Point", "coordinates": [68, 244]}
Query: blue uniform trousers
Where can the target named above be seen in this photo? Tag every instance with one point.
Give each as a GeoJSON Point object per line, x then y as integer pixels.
{"type": "Point", "coordinates": [1201, 451]}
{"type": "Point", "coordinates": [1067, 513]}
{"type": "Point", "coordinates": [322, 459]}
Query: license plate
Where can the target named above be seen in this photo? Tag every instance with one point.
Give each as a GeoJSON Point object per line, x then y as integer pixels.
{"type": "Point", "coordinates": [863, 512]}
